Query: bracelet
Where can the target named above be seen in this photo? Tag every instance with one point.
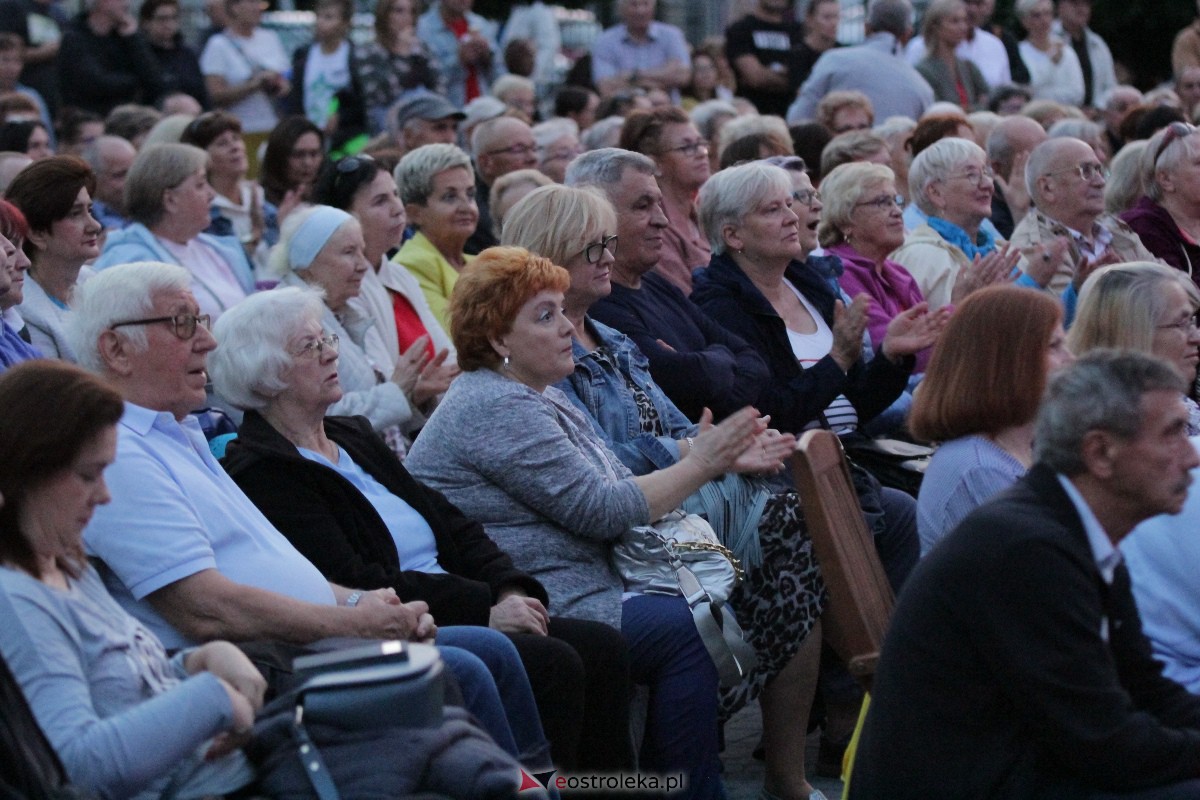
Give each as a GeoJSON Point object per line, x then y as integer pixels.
{"type": "Point", "coordinates": [691, 444]}
{"type": "Point", "coordinates": [353, 599]}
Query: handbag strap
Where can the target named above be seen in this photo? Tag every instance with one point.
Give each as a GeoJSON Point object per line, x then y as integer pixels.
{"type": "Point", "coordinates": [311, 761]}
{"type": "Point", "coordinates": [719, 631]}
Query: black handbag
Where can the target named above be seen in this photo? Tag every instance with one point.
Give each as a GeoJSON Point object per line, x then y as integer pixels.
{"type": "Point", "coordinates": [389, 684]}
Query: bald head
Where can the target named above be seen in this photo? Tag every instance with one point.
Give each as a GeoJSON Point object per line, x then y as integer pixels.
{"type": "Point", "coordinates": [1012, 137]}
{"type": "Point", "coordinates": [1066, 182]}
{"type": "Point", "coordinates": [110, 157]}
{"type": "Point", "coordinates": [501, 146]}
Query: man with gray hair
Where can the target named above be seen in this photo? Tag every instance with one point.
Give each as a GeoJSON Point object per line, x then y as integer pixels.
{"type": "Point", "coordinates": [1015, 665]}
{"type": "Point", "coordinates": [697, 362]}
{"type": "Point", "coordinates": [498, 146]}
{"type": "Point", "coordinates": [1067, 234]}
{"type": "Point", "coordinates": [877, 68]}
{"type": "Point", "coordinates": [110, 157]}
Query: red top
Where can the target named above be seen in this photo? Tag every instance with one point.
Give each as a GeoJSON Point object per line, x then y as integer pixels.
{"type": "Point", "coordinates": [409, 327]}
{"type": "Point", "coordinates": [459, 27]}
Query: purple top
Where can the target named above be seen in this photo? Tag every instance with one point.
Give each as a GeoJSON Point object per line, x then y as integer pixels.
{"type": "Point", "coordinates": [892, 292]}
{"type": "Point", "coordinates": [1161, 236]}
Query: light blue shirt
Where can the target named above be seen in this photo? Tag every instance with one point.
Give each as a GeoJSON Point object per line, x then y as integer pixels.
{"type": "Point", "coordinates": [1106, 556]}
{"type": "Point", "coordinates": [415, 543]}
{"type": "Point", "coordinates": [615, 52]}
{"type": "Point", "coordinates": [1162, 553]}
{"type": "Point", "coordinates": [962, 475]}
{"type": "Point", "coordinates": [174, 512]}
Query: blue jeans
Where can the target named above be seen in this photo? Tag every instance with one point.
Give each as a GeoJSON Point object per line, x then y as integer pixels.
{"type": "Point", "coordinates": [496, 690]}
{"type": "Point", "coordinates": [666, 654]}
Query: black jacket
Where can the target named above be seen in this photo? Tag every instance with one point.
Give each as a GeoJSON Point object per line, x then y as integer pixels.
{"type": "Point", "coordinates": [794, 396]}
{"type": "Point", "coordinates": [996, 681]}
{"type": "Point", "coordinates": [337, 528]}
{"type": "Point", "coordinates": [97, 73]}
{"type": "Point", "coordinates": [180, 71]}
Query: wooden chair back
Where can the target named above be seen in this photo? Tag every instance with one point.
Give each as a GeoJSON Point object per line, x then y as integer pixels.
{"type": "Point", "coordinates": [860, 597]}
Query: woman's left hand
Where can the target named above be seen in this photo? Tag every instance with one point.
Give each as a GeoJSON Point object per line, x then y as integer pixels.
{"type": "Point", "coordinates": [231, 665]}
{"type": "Point", "coordinates": [913, 330]}
{"type": "Point", "coordinates": [768, 454]}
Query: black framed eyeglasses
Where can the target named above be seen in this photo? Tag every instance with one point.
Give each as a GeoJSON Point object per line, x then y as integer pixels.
{"type": "Point", "coordinates": [513, 150]}
{"type": "Point", "coordinates": [594, 251]}
{"type": "Point", "coordinates": [1176, 130]}
{"type": "Point", "coordinates": [315, 347]}
{"type": "Point", "coordinates": [182, 325]}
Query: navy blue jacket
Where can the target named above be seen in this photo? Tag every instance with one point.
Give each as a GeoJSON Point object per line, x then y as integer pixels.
{"type": "Point", "coordinates": [794, 396]}
{"type": "Point", "coordinates": [705, 365]}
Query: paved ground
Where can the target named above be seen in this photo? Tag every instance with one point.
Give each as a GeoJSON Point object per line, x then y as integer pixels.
{"type": "Point", "coordinates": [744, 775]}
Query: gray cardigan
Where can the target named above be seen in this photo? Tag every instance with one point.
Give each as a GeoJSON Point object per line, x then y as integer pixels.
{"type": "Point", "coordinates": [529, 467]}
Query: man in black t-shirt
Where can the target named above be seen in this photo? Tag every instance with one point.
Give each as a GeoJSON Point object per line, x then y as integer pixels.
{"type": "Point", "coordinates": [758, 47]}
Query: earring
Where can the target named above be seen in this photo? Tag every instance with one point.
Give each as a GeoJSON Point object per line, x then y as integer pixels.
{"type": "Point", "coordinates": [505, 364]}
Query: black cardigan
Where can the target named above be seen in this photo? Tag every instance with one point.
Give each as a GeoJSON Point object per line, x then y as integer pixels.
{"type": "Point", "coordinates": [337, 528]}
{"type": "Point", "coordinates": [795, 396]}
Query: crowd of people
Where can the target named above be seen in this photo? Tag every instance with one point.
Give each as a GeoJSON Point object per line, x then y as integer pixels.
{"type": "Point", "coordinates": [404, 339]}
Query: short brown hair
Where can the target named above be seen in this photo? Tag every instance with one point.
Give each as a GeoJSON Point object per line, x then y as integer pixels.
{"type": "Point", "coordinates": [988, 369]}
{"type": "Point", "coordinates": [52, 410]}
{"type": "Point", "coordinates": [642, 130]}
{"type": "Point", "coordinates": [208, 127]}
{"type": "Point", "coordinates": [488, 295]}
{"type": "Point", "coordinates": [46, 190]}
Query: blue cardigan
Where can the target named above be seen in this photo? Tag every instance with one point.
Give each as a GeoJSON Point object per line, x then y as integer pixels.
{"type": "Point", "coordinates": [137, 243]}
{"type": "Point", "coordinates": [794, 396]}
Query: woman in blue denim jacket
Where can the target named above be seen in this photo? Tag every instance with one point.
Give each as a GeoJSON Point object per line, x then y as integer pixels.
{"type": "Point", "coordinates": [780, 602]}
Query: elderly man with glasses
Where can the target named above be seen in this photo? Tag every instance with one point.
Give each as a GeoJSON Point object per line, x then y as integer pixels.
{"type": "Point", "coordinates": [498, 146]}
{"type": "Point", "coordinates": [1067, 234]}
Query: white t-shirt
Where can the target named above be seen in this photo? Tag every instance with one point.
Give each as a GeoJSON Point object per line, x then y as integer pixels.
{"type": "Point", "coordinates": [809, 348]}
{"type": "Point", "coordinates": [324, 76]}
{"type": "Point", "coordinates": [237, 59]}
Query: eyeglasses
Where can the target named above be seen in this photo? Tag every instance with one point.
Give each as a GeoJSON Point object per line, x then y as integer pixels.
{"type": "Point", "coordinates": [1187, 327]}
{"type": "Point", "coordinates": [883, 202]}
{"type": "Point", "coordinates": [975, 176]}
{"type": "Point", "coordinates": [182, 325]}
{"type": "Point", "coordinates": [315, 347]}
{"type": "Point", "coordinates": [1176, 130]}
{"type": "Point", "coordinates": [1088, 171]}
{"type": "Point", "coordinates": [594, 251]}
{"type": "Point", "coordinates": [514, 150]}
{"type": "Point", "coordinates": [807, 197]}
{"type": "Point", "coordinates": [687, 148]}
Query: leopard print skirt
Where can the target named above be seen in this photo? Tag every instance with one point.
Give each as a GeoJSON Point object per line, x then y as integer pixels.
{"type": "Point", "coordinates": [780, 601]}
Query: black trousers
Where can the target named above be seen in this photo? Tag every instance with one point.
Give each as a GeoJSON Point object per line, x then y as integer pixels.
{"type": "Point", "coordinates": [580, 679]}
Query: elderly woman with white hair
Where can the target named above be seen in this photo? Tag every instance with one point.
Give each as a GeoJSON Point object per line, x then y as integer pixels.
{"type": "Point", "coordinates": [437, 187]}
{"type": "Point", "coordinates": [951, 254]}
{"type": "Point", "coordinates": [323, 247]}
{"type": "Point", "coordinates": [1167, 218]}
{"type": "Point", "coordinates": [557, 143]}
{"type": "Point", "coordinates": [167, 195]}
{"type": "Point", "coordinates": [332, 487]}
